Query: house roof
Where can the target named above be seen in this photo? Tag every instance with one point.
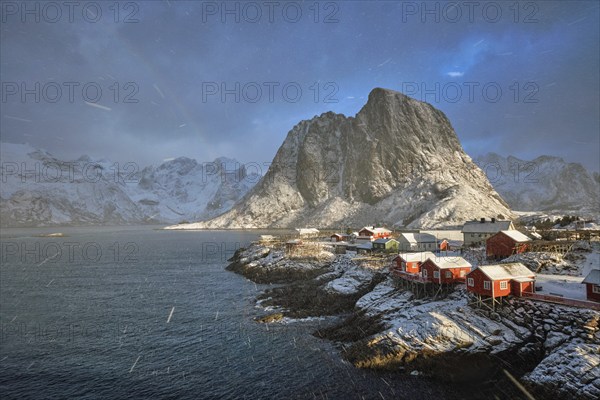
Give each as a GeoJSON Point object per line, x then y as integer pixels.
{"type": "Point", "coordinates": [450, 262]}
{"type": "Point", "coordinates": [418, 237]}
{"type": "Point", "coordinates": [486, 227]}
{"type": "Point", "coordinates": [506, 271]}
{"type": "Point", "coordinates": [420, 256]}
{"type": "Point", "coordinates": [523, 279]}
{"type": "Point", "coordinates": [516, 236]}
{"type": "Point", "coordinates": [376, 230]}
{"type": "Point", "coordinates": [384, 241]}
{"type": "Point", "coordinates": [593, 277]}
{"type": "Point", "coordinates": [307, 231]}
{"type": "Point", "coordinates": [535, 235]}
{"type": "Point", "coordinates": [365, 246]}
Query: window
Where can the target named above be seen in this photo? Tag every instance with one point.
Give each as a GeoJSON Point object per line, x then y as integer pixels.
{"type": "Point", "coordinates": [504, 285]}
{"type": "Point", "coordinates": [436, 274]}
{"type": "Point", "coordinates": [463, 273]}
{"type": "Point", "coordinates": [471, 282]}
{"type": "Point", "coordinates": [448, 274]}
{"type": "Point", "coordinates": [596, 289]}
{"type": "Point", "coordinates": [425, 272]}
{"type": "Point", "coordinates": [487, 285]}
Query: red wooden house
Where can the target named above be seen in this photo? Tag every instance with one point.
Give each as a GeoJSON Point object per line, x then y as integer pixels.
{"type": "Point", "coordinates": [592, 283]}
{"type": "Point", "coordinates": [449, 269]}
{"type": "Point", "coordinates": [336, 237]}
{"type": "Point", "coordinates": [411, 262]}
{"type": "Point", "coordinates": [371, 233]}
{"type": "Point", "coordinates": [506, 243]}
{"type": "Point", "coordinates": [501, 280]}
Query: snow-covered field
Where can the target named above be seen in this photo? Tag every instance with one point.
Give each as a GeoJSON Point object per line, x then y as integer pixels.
{"type": "Point", "coordinates": [566, 286]}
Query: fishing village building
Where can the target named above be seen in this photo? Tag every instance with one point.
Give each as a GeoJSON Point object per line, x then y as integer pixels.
{"type": "Point", "coordinates": [475, 233]}
{"type": "Point", "coordinates": [370, 233]}
{"type": "Point", "coordinates": [506, 243]}
{"type": "Point", "coordinates": [409, 241]}
{"type": "Point", "coordinates": [592, 285]}
{"type": "Point", "coordinates": [490, 282]}
{"type": "Point", "coordinates": [411, 262]}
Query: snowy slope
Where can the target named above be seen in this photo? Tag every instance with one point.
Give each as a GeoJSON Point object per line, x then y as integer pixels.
{"type": "Point", "coordinates": [398, 161]}
{"type": "Point", "coordinates": [543, 184]}
{"type": "Point", "coordinates": [39, 190]}
{"type": "Point", "coordinates": [183, 189]}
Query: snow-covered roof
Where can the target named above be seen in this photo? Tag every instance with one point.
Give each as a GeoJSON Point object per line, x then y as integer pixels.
{"type": "Point", "coordinates": [376, 230]}
{"type": "Point", "coordinates": [450, 262]}
{"type": "Point", "coordinates": [384, 241]}
{"type": "Point", "coordinates": [516, 236]}
{"type": "Point", "coordinates": [420, 256]}
{"type": "Point", "coordinates": [506, 271]}
{"type": "Point", "coordinates": [593, 277]}
{"type": "Point", "coordinates": [523, 279]}
{"type": "Point", "coordinates": [307, 231]}
{"type": "Point", "coordinates": [486, 227]}
{"type": "Point", "coordinates": [535, 235]}
{"type": "Point", "coordinates": [418, 237]}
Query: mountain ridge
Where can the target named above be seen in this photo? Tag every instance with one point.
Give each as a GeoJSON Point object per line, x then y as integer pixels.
{"type": "Point", "coordinates": [546, 183]}
{"type": "Point", "coordinates": [96, 192]}
{"type": "Point", "coordinates": [398, 161]}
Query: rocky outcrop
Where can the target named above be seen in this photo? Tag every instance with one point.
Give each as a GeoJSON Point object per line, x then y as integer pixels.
{"type": "Point", "coordinates": [397, 161]}
{"type": "Point", "coordinates": [554, 351]}
{"type": "Point", "coordinates": [316, 287]}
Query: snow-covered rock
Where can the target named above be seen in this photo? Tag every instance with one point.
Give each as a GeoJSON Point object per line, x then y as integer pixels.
{"type": "Point", "coordinates": [571, 371]}
{"type": "Point", "coordinates": [351, 281]}
{"type": "Point", "coordinates": [397, 161]}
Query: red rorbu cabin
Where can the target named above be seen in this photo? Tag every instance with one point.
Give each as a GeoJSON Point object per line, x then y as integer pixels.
{"type": "Point", "coordinates": [411, 262]}
{"type": "Point", "coordinates": [448, 269]}
{"type": "Point", "coordinates": [501, 280]}
{"type": "Point", "coordinates": [371, 233]}
{"type": "Point", "coordinates": [506, 243]}
{"type": "Point", "coordinates": [592, 283]}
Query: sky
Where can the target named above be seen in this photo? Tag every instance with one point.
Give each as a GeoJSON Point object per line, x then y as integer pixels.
{"type": "Point", "coordinates": [148, 81]}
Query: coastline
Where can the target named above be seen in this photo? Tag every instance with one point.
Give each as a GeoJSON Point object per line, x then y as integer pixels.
{"type": "Point", "coordinates": [552, 350]}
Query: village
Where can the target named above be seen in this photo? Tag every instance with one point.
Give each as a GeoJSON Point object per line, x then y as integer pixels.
{"type": "Point", "coordinates": [507, 295]}
{"type": "Point", "coordinates": [487, 256]}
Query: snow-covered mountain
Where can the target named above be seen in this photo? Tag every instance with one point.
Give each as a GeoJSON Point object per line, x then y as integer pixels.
{"type": "Point", "coordinates": [185, 189]}
{"type": "Point", "coordinates": [544, 184]}
{"type": "Point", "coordinates": [398, 161]}
{"type": "Point", "coordinates": [40, 190]}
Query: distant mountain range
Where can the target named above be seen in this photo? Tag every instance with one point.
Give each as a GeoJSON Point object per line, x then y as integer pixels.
{"type": "Point", "coordinates": [397, 162]}
{"type": "Point", "coordinates": [544, 184]}
{"type": "Point", "coordinates": [40, 190]}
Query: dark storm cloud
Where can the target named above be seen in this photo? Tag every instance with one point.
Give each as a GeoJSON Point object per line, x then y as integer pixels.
{"type": "Point", "coordinates": [166, 60]}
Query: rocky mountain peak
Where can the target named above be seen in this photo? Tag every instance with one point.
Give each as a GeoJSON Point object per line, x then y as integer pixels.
{"type": "Point", "coordinates": [395, 161]}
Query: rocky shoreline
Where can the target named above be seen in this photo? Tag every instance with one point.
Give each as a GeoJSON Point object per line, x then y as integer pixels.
{"type": "Point", "coordinates": [553, 351]}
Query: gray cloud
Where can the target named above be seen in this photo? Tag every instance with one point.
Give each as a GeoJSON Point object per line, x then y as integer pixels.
{"type": "Point", "coordinates": [171, 55]}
